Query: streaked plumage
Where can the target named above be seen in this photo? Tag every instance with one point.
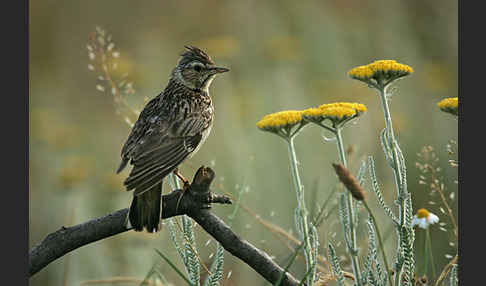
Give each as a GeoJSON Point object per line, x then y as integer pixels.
{"type": "Point", "coordinates": [170, 128]}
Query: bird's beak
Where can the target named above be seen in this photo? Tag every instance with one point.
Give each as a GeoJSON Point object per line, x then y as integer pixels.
{"type": "Point", "coordinates": [216, 70]}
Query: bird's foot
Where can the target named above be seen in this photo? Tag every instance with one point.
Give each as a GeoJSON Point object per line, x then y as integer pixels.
{"type": "Point", "coordinates": [184, 180]}
{"type": "Point", "coordinates": [184, 187]}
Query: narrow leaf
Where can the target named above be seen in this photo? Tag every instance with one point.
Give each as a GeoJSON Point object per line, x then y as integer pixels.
{"type": "Point", "coordinates": [174, 267]}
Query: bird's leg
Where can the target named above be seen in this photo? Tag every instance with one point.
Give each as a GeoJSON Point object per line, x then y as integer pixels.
{"type": "Point", "coordinates": [184, 188]}
{"type": "Point", "coordinates": [184, 180]}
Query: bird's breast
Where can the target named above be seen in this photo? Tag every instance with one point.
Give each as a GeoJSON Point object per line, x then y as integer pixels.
{"type": "Point", "coordinates": [204, 136]}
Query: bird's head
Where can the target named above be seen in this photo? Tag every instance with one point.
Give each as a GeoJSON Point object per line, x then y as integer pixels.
{"type": "Point", "coordinates": [195, 69]}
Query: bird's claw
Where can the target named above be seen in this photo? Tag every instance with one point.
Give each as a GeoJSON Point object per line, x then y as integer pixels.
{"type": "Point", "coordinates": [186, 186]}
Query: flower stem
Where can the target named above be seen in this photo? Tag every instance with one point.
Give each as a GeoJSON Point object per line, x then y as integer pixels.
{"type": "Point", "coordinates": [392, 142]}
{"type": "Point", "coordinates": [429, 247]}
{"type": "Point", "coordinates": [402, 194]}
{"type": "Point", "coordinates": [302, 212]}
{"type": "Point", "coordinates": [353, 252]}
{"type": "Point", "coordinates": [426, 253]}
{"type": "Point", "coordinates": [340, 145]}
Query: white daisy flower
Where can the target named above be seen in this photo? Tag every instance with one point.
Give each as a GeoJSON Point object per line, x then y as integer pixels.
{"type": "Point", "coordinates": [424, 218]}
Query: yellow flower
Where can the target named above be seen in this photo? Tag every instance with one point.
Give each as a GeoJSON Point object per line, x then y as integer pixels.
{"type": "Point", "coordinates": [382, 70]}
{"type": "Point", "coordinates": [449, 105]}
{"type": "Point", "coordinates": [276, 121]}
{"type": "Point", "coordinates": [361, 72]}
{"type": "Point", "coordinates": [336, 112]}
{"type": "Point", "coordinates": [357, 106]}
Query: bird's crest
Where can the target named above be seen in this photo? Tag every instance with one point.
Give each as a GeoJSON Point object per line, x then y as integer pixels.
{"type": "Point", "coordinates": [195, 53]}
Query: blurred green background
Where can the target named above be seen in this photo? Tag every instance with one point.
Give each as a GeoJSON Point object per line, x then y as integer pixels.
{"type": "Point", "coordinates": [282, 55]}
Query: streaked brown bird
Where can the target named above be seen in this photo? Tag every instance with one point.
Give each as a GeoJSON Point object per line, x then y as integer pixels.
{"type": "Point", "coordinates": [171, 128]}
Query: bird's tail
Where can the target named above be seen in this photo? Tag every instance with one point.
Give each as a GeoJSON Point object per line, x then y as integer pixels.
{"type": "Point", "coordinates": [146, 210]}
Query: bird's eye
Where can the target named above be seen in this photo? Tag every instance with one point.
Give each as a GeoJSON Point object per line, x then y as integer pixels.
{"type": "Point", "coordinates": [198, 68]}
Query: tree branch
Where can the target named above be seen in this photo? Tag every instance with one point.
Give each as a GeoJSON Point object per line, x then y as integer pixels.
{"type": "Point", "coordinates": [195, 202]}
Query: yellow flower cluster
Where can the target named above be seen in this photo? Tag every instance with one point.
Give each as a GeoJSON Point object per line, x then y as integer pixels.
{"type": "Point", "coordinates": [273, 121]}
{"type": "Point", "coordinates": [386, 69]}
{"type": "Point", "coordinates": [449, 105]}
{"type": "Point", "coordinates": [336, 112]}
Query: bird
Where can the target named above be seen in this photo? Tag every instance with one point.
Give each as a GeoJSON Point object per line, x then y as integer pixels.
{"type": "Point", "coordinates": [170, 129]}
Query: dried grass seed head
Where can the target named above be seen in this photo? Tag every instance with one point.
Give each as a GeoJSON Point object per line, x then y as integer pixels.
{"type": "Point", "coordinates": [349, 181]}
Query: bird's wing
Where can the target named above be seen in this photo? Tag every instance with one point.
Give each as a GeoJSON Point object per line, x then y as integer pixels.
{"type": "Point", "coordinates": [159, 162]}
{"type": "Point", "coordinates": [144, 124]}
{"type": "Point", "coordinates": [161, 150]}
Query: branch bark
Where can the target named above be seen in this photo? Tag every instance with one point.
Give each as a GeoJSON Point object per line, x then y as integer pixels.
{"type": "Point", "coordinates": [195, 202]}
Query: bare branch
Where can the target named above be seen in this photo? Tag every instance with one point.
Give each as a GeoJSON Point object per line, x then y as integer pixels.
{"type": "Point", "coordinates": [195, 202]}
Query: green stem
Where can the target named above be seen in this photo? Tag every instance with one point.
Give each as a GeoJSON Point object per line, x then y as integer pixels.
{"type": "Point", "coordinates": [391, 140]}
{"type": "Point", "coordinates": [352, 252]}
{"type": "Point", "coordinates": [301, 207]}
{"type": "Point", "coordinates": [426, 253]}
{"type": "Point", "coordinates": [294, 255]}
{"type": "Point", "coordinates": [429, 247]}
{"type": "Point", "coordinates": [382, 245]}
{"type": "Point", "coordinates": [397, 279]}
{"type": "Point", "coordinates": [340, 145]}
{"type": "Point", "coordinates": [401, 194]}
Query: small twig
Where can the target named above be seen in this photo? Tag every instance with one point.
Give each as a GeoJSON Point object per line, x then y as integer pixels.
{"type": "Point", "coordinates": [446, 270]}
{"type": "Point", "coordinates": [102, 56]}
{"type": "Point", "coordinates": [270, 226]}
{"type": "Point", "coordinates": [444, 201]}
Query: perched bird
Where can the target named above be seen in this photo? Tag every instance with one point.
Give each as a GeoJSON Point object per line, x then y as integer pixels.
{"type": "Point", "coordinates": [170, 128]}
